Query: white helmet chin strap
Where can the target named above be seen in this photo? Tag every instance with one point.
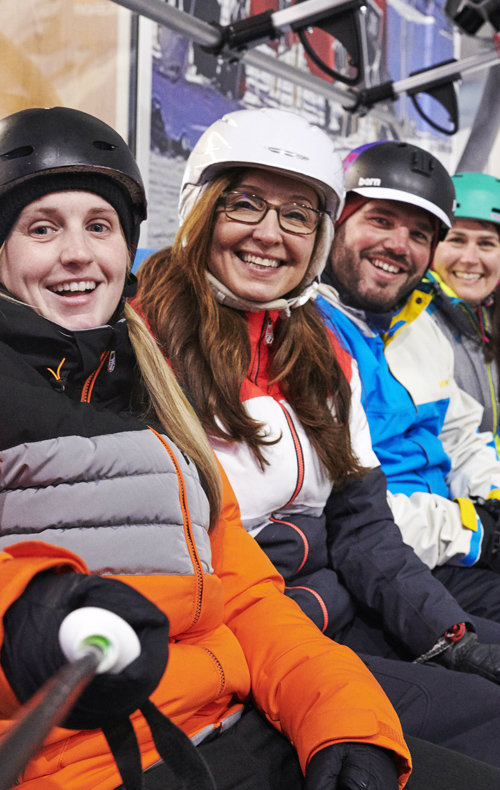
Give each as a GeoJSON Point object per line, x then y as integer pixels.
{"type": "Point", "coordinates": [309, 290]}
{"type": "Point", "coordinates": [227, 297]}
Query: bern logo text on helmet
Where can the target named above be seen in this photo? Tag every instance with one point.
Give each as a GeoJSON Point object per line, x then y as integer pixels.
{"type": "Point", "coordinates": [422, 162]}
{"type": "Point", "coordinates": [283, 152]}
{"type": "Point", "coordinates": [369, 182]}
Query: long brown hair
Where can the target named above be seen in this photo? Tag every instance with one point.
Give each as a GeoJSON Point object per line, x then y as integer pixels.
{"type": "Point", "coordinates": [208, 348]}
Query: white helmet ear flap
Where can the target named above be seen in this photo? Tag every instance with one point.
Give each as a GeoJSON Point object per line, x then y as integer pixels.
{"type": "Point", "coordinates": [324, 240]}
{"type": "Point", "coordinates": [189, 196]}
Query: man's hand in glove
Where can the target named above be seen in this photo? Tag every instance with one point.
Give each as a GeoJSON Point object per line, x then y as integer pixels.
{"type": "Point", "coordinates": [352, 766]}
{"type": "Point", "coordinates": [31, 653]}
{"type": "Point", "coordinates": [487, 512]}
{"type": "Point", "coordinates": [466, 654]}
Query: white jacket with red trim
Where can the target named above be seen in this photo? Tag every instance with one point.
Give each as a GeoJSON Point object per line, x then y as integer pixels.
{"type": "Point", "coordinates": [353, 554]}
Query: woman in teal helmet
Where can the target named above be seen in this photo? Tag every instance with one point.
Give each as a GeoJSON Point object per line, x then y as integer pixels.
{"type": "Point", "coordinates": [466, 271]}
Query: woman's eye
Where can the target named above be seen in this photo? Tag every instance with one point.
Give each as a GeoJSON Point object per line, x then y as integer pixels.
{"type": "Point", "coordinates": [297, 213]}
{"type": "Point", "coordinates": [246, 203]}
{"type": "Point", "coordinates": [97, 227]}
{"type": "Point", "coordinates": [40, 230]}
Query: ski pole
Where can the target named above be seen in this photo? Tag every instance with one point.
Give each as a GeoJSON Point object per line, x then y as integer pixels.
{"type": "Point", "coordinates": [94, 641]}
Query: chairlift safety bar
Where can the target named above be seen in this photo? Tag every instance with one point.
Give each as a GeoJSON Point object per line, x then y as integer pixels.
{"type": "Point", "coordinates": [451, 70]}
{"type": "Point", "coordinates": [211, 37]}
{"type": "Point", "coordinates": [207, 35]}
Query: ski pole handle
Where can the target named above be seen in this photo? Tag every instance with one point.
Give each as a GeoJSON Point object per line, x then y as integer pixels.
{"type": "Point", "coordinates": [92, 626]}
{"type": "Point", "coordinates": [94, 641]}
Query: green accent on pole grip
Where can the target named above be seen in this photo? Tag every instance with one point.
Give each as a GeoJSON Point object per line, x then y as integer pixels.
{"type": "Point", "coordinates": [97, 640]}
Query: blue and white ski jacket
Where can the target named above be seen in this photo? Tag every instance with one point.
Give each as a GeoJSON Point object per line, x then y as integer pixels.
{"type": "Point", "coordinates": [424, 428]}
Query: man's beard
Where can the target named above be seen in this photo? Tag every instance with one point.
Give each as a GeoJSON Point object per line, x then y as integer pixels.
{"type": "Point", "coordinates": [347, 282]}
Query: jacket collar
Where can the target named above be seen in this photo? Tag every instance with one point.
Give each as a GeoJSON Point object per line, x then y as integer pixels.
{"type": "Point", "coordinates": [470, 321]}
{"type": "Point", "coordinates": [44, 345]}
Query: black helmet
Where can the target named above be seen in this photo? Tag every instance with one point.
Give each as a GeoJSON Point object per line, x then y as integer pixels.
{"type": "Point", "coordinates": [62, 148]}
{"type": "Point", "coordinates": [392, 170]}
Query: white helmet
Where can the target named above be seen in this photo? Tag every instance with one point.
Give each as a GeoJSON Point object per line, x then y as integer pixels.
{"type": "Point", "coordinates": [275, 139]}
{"type": "Point", "coordinates": [278, 140]}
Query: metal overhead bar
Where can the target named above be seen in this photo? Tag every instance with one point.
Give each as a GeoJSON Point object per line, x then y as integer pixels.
{"type": "Point", "coordinates": [437, 81]}
{"type": "Point", "coordinates": [452, 70]}
{"type": "Point", "coordinates": [211, 37]}
{"type": "Point", "coordinates": [232, 42]}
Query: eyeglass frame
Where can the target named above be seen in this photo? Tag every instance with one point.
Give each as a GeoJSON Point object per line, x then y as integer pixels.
{"type": "Point", "coordinates": [276, 207]}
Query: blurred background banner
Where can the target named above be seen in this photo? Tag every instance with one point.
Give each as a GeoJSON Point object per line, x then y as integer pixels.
{"type": "Point", "coordinates": [66, 52]}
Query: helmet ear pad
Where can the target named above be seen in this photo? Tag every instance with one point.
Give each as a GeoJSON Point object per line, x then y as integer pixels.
{"type": "Point", "coordinates": [321, 251]}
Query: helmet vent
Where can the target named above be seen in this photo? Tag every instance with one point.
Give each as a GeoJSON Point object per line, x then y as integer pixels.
{"type": "Point", "coordinates": [102, 145]}
{"type": "Point", "coordinates": [17, 153]}
{"type": "Point", "coordinates": [422, 163]}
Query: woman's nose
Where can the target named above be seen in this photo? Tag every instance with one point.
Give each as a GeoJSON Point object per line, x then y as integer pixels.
{"type": "Point", "coordinates": [75, 247]}
{"type": "Point", "coordinates": [470, 252]}
{"type": "Point", "coordinates": [268, 230]}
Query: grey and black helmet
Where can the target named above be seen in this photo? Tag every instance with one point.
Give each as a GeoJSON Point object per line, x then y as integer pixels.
{"type": "Point", "coordinates": [392, 170]}
{"type": "Point", "coordinates": [46, 150]}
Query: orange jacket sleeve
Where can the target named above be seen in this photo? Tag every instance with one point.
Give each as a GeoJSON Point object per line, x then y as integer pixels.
{"type": "Point", "coordinates": [18, 565]}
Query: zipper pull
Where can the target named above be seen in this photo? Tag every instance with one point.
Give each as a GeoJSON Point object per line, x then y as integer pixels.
{"type": "Point", "coordinates": [57, 381]}
{"type": "Point", "coordinates": [269, 333]}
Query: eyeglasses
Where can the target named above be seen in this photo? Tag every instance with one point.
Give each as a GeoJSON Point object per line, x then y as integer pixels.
{"type": "Point", "coordinates": [251, 209]}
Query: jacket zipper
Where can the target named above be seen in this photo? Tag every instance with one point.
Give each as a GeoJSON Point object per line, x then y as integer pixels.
{"type": "Point", "coordinates": [187, 528]}
{"type": "Point", "coordinates": [264, 330]}
{"type": "Point", "coordinates": [89, 384]}
{"type": "Point", "coordinates": [298, 454]}
{"type": "Point", "coordinates": [264, 338]}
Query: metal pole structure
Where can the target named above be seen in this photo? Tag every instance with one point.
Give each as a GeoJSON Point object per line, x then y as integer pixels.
{"type": "Point", "coordinates": [360, 102]}
{"type": "Point", "coordinates": [207, 35]}
{"type": "Point", "coordinates": [452, 71]}
{"type": "Point", "coordinates": [48, 708]}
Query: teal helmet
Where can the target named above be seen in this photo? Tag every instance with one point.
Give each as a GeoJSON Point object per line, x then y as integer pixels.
{"type": "Point", "coordinates": [478, 197]}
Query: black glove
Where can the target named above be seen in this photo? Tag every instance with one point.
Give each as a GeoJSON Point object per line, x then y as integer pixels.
{"type": "Point", "coordinates": [352, 766]}
{"type": "Point", "coordinates": [31, 653]}
{"type": "Point", "coordinates": [488, 511]}
{"type": "Point", "coordinates": [469, 655]}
